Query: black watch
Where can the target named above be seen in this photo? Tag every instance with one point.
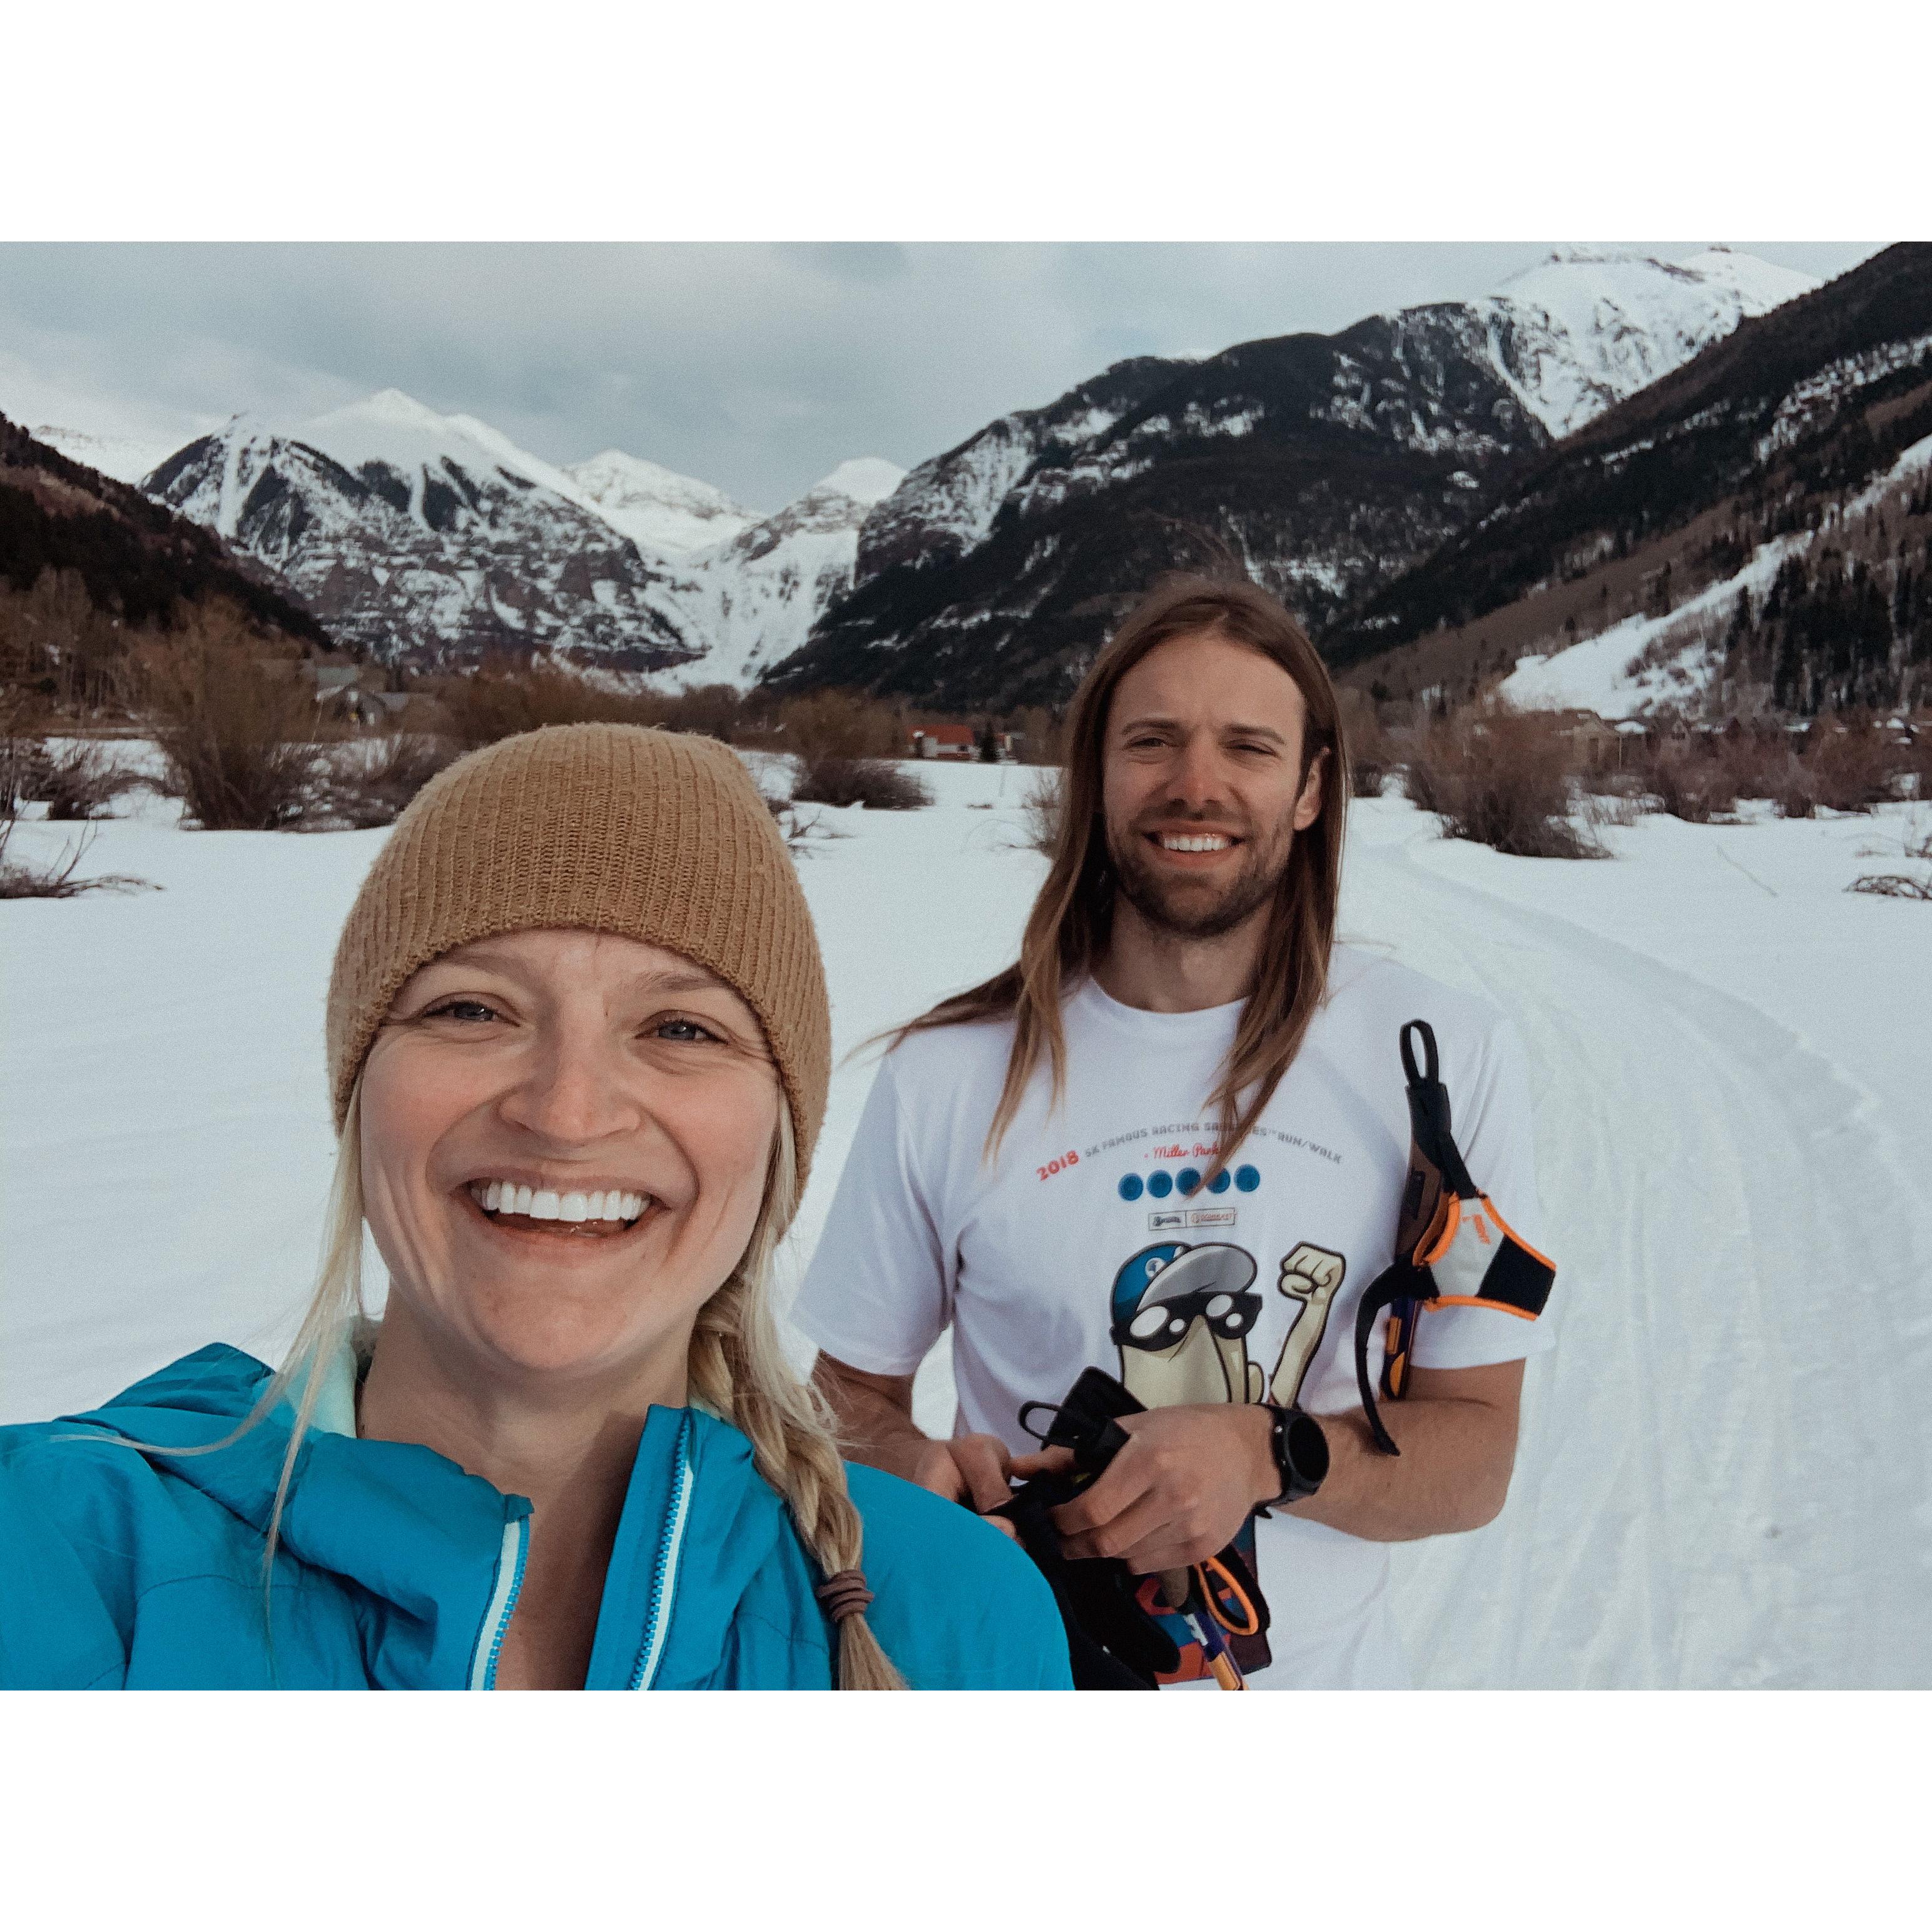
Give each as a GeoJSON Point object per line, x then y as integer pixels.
{"type": "Point", "coordinates": [1300, 1452]}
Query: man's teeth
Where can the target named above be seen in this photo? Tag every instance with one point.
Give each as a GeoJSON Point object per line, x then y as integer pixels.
{"type": "Point", "coordinates": [541, 1203]}
{"type": "Point", "coordinates": [1198, 841]}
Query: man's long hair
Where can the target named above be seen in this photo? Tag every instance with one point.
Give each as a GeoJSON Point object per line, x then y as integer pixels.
{"type": "Point", "coordinates": [1072, 919]}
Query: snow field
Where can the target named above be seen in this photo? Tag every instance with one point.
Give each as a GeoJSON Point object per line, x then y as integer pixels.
{"type": "Point", "coordinates": [1724, 1468]}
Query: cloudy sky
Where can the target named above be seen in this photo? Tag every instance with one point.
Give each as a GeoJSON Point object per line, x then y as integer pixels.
{"type": "Point", "coordinates": [758, 367]}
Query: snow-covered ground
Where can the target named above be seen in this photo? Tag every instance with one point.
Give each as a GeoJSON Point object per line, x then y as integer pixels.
{"type": "Point", "coordinates": [1725, 1467]}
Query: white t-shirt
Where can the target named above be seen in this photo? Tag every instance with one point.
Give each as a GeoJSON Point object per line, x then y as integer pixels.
{"type": "Point", "coordinates": [1089, 1218]}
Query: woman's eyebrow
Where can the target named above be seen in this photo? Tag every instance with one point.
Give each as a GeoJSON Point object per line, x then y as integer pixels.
{"type": "Point", "coordinates": [691, 980]}
{"type": "Point", "coordinates": [482, 955]}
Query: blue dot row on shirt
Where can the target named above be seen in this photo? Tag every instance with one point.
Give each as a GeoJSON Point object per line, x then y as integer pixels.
{"type": "Point", "coordinates": [1160, 1183]}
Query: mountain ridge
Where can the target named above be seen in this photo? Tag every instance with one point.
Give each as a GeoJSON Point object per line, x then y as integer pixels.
{"type": "Point", "coordinates": [1328, 463]}
{"type": "Point", "coordinates": [428, 540]}
{"type": "Point", "coordinates": [1783, 466]}
{"type": "Point", "coordinates": [136, 559]}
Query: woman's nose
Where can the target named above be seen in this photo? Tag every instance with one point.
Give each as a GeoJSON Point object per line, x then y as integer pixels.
{"type": "Point", "coordinates": [573, 1090]}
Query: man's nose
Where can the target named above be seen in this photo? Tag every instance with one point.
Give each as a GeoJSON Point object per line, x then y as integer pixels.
{"type": "Point", "coordinates": [573, 1090]}
{"type": "Point", "coordinates": [1193, 779]}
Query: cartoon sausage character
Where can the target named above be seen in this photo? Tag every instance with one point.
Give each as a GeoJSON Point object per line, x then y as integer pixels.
{"type": "Point", "coordinates": [1181, 1318]}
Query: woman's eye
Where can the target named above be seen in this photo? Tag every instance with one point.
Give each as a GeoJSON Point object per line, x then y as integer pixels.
{"type": "Point", "coordinates": [681, 1030]}
{"type": "Point", "coordinates": [462, 1009]}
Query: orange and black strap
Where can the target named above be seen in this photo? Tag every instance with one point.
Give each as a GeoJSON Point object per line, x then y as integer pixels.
{"type": "Point", "coordinates": [1518, 1280]}
{"type": "Point", "coordinates": [1401, 1286]}
{"type": "Point", "coordinates": [1429, 1119]}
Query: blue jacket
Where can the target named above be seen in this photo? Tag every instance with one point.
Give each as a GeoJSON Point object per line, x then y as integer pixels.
{"type": "Point", "coordinates": [396, 1570]}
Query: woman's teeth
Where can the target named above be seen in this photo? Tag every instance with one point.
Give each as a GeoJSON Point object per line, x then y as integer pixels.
{"type": "Point", "coordinates": [541, 1203]}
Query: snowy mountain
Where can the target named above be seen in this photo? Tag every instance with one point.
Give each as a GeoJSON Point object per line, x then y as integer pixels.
{"type": "Point", "coordinates": [429, 539]}
{"type": "Point", "coordinates": [1329, 463]}
{"type": "Point", "coordinates": [125, 458]}
{"type": "Point", "coordinates": [753, 599]}
{"type": "Point", "coordinates": [664, 512]}
{"type": "Point", "coordinates": [1584, 328]}
{"type": "Point", "coordinates": [137, 562]}
{"type": "Point", "coordinates": [946, 506]}
{"type": "Point", "coordinates": [1753, 530]}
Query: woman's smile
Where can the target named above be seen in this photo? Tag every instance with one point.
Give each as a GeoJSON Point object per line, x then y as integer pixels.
{"type": "Point", "coordinates": [557, 1214]}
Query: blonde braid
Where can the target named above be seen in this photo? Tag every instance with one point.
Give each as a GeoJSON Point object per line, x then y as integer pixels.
{"type": "Point", "coordinates": [738, 1369]}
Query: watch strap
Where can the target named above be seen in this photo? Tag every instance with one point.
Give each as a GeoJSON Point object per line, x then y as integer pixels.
{"type": "Point", "coordinates": [1300, 1451]}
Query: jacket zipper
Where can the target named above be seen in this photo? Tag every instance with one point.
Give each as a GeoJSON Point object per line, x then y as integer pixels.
{"type": "Point", "coordinates": [502, 1603]}
{"type": "Point", "coordinates": [664, 1579]}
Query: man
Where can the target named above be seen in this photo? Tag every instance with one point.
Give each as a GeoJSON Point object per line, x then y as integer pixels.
{"type": "Point", "coordinates": [1172, 1141]}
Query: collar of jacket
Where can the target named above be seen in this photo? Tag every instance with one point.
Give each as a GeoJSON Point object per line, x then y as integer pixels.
{"type": "Point", "coordinates": [424, 1540]}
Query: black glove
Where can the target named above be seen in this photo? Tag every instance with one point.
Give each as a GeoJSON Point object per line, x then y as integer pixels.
{"type": "Point", "coordinates": [1111, 1642]}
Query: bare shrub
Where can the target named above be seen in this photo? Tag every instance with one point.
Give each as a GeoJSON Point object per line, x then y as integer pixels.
{"type": "Point", "coordinates": [1500, 777]}
{"type": "Point", "coordinates": [1759, 763]}
{"type": "Point", "coordinates": [875, 783]}
{"type": "Point", "coordinates": [237, 730]}
{"type": "Point", "coordinates": [1918, 845]}
{"type": "Point", "coordinates": [1373, 753]}
{"type": "Point", "coordinates": [502, 700]}
{"type": "Point", "coordinates": [1894, 885]}
{"type": "Point", "coordinates": [1852, 768]}
{"type": "Point", "coordinates": [1037, 735]}
{"type": "Point", "coordinates": [1915, 758]}
{"type": "Point", "coordinates": [16, 752]}
{"type": "Point", "coordinates": [1041, 805]}
{"type": "Point", "coordinates": [57, 647]}
{"type": "Point", "coordinates": [1690, 780]}
{"type": "Point", "coordinates": [802, 832]}
{"type": "Point", "coordinates": [720, 711]}
{"type": "Point", "coordinates": [75, 780]}
{"type": "Point", "coordinates": [839, 725]}
{"type": "Point", "coordinates": [1606, 808]}
{"type": "Point", "coordinates": [505, 698]}
{"type": "Point", "coordinates": [54, 878]}
{"type": "Point", "coordinates": [369, 781]}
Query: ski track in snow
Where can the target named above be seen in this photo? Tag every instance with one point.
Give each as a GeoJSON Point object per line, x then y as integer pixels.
{"type": "Point", "coordinates": [1723, 1465]}
{"type": "Point", "coordinates": [1723, 1470]}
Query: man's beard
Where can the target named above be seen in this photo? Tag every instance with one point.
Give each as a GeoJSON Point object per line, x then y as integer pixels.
{"type": "Point", "coordinates": [1186, 907]}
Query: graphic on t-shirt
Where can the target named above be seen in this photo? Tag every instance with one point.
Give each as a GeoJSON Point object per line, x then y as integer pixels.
{"type": "Point", "coordinates": [1182, 1314]}
{"type": "Point", "coordinates": [1310, 1278]}
{"type": "Point", "coordinates": [1181, 1317]}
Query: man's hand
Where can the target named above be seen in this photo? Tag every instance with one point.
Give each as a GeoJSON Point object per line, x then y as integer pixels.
{"type": "Point", "coordinates": [968, 1469]}
{"type": "Point", "coordinates": [874, 1417]}
{"type": "Point", "coordinates": [1186, 1482]}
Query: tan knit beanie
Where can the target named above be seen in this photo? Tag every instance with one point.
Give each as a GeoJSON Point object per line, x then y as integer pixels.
{"type": "Point", "coordinates": [613, 828]}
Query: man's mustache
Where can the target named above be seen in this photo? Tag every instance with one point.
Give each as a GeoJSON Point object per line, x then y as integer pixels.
{"type": "Point", "coordinates": [1150, 821]}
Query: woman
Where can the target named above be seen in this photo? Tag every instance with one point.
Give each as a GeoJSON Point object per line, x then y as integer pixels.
{"type": "Point", "coordinates": [578, 1046]}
